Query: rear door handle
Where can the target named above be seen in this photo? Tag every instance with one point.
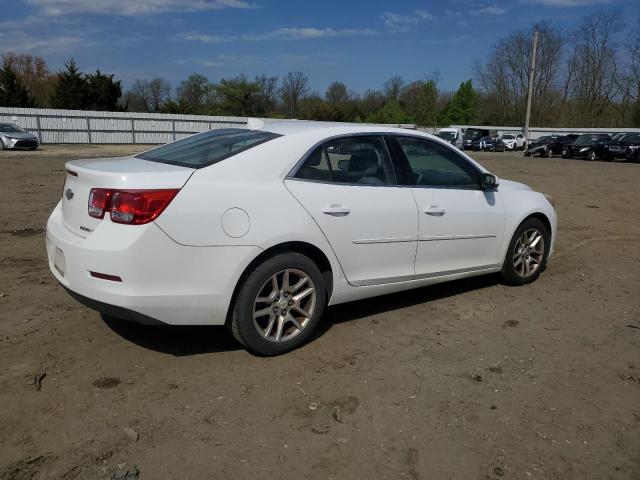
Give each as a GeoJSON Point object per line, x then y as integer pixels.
{"type": "Point", "coordinates": [435, 211]}
{"type": "Point", "coordinates": [336, 210]}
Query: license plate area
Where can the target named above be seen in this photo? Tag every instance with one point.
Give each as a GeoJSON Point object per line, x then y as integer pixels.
{"type": "Point", "coordinates": [58, 261]}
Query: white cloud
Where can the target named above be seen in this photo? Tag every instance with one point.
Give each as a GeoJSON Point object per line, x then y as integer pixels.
{"type": "Point", "coordinates": [493, 10]}
{"type": "Point", "coordinates": [567, 3]}
{"type": "Point", "coordinates": [54, 8]}
{"type": "Point", "coordinates": [304, 32]}
{"type": "Point", "coordinates": [402, 21]}
{"type": "Point", "coordinates": [205, 38]}
{"type": "Point", "coordinates": [285, 33]}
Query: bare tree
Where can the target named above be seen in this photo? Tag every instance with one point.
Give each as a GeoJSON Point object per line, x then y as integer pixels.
{"type": "Point", "coordinates": [337, 94]}
{"type": "Point", "coordinates": [33, 73]}
{"type": "Point", "coordinates": [594, 70]}
{"type": "Point", "coordinates": [159, 93]}
{"type": "Point", "coordinates": [505, 77]}
{"type": "Point", "coordinates": [268, 97]}
{"type": "Point", "coordinates": [295, 87]}
{"type": "Point", "coordinates": [393, 87]}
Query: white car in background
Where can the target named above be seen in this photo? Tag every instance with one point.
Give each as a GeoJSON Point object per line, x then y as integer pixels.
{"type": "Point", "coordinates": [514, 141]}
{"type": "Point", "coordinates": [261, 228]}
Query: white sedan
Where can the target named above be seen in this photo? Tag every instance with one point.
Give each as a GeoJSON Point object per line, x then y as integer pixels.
{"type": "Point", "coordinates": [260, 228]}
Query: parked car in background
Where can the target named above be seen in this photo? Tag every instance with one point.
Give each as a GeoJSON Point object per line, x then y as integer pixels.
{"type": "Point", "coordinates": [452, 135]}
{"type": "Point", "coordinates": [484, 144]}
{"type": "Point", "coordinates": [473, 134]}
{"type": "Point", "coordinates": [514, 141]}
{"type": "Point", "coordinates": [624, 147]}
{"type": "Point", "coordinates": [549, 145]}
{"type": "Point", "coordinates": [14, 137]}
{"type": "Point", "coordinates": [261, 228]}
{"type": "Point", "coordinates": [589, 146]}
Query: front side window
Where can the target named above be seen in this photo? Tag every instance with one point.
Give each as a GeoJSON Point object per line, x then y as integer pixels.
{"type": "Point", "coordinates": [360, 160]}
{"type": "Point", "coordinates": [207, 148]}
{"type": "Point", "coordinates": [435, 165]}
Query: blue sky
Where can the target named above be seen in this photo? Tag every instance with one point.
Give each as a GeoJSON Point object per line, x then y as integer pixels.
{"type": "Point", "coordinates": [360, 42]}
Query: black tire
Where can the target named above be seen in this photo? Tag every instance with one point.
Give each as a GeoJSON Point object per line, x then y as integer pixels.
{"type": "Point", "coordinates": [592, 156]}
{"type": "Point", "coordinates": [242, 320]}
{"type": "Point", "coordinates": [1, 145]}
{"type": "Point", "coordinates": [509, 273]}
{"type": "Point", "coordinates": [548, 153]}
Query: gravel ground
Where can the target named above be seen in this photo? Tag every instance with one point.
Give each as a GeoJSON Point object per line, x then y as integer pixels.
{"type": "Point", "coordinates": [467, 380]}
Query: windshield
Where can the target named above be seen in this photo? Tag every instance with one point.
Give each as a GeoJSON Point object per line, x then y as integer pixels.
{"type": "Point", "coordinates": [8, 127]}
{"type": "Point", "coordinates": [541, 139]}
{"type": "Point", "coordinates": [474, 134]}
{"type": "Point", "coordinates": [508, 136]}
{"type": "Point", "coordinates": [207, 148]}
{"type": "Point", "coordinates": [447, 135]}
{"type": "Point", "coordinates": [587, 139]}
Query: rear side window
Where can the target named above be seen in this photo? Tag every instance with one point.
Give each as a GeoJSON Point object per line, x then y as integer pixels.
{"type": "Point", "coordinates": [207, 148]}
{"type": "Point", "coordinates": [360, 160]}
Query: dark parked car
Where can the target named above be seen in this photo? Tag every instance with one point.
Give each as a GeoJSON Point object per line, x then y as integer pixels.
{"type": "Point", "coordinates": [624, 147]}
{"type": "Point", "coordinates": [12, 136]}
{"type": "Point", "coordinates": [473, 134]}
{"type": "Point", "coordinates": [589, 146]}
{"type": "Point", "coordinates": [487, 144]}
{"type": "Point", "coordinates": [549, 145]}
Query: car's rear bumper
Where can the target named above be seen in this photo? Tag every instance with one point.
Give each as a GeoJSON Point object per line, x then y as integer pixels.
{"type": "Point", "coordinates": [161, 280]}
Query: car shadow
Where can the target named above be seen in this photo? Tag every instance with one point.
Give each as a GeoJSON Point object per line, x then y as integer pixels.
{"type": "Point", "coordinates": [196, 340]}
{"type": "Point", "coordinates": [359, 309]}
{"type": "Point", "coordinates": [175, 340]}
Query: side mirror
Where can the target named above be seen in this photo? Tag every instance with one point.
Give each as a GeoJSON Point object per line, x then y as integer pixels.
{"type": "Point", "coordinates": [489, 181]}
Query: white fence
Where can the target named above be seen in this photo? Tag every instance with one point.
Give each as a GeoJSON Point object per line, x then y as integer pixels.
{"type": "Point", "coordinates": [78, 126]}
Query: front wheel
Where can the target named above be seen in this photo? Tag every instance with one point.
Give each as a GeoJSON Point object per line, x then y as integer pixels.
{"type": "Point", "coordinates": [591, 156]}
{"type": "Point", "coordinates": [279, 305]}
{"type": "Point", "coordinates": [527, 253]}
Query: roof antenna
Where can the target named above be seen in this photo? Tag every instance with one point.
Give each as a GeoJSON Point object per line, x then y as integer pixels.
{"type": "Point", "coordinates": [255, 123]}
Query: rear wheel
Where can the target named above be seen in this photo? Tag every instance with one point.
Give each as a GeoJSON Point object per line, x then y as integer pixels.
{"type": "Point", "coordinates": [279, 305]}
{"type": "Point", "coordinates": [592, 156]}
{"type": "Point", "coordinates": [527, 253]}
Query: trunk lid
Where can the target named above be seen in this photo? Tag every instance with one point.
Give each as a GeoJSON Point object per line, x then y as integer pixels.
{"type": "Point", "coordinates": [124, 173]}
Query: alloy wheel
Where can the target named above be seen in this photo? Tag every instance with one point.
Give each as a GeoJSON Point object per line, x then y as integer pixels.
{"type": "Point", "coordinates": [528, 252]}
{"type": "Point", "coordinates": [284, 305]}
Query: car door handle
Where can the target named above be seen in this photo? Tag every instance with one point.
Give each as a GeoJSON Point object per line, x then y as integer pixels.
{"type": "Point", "coordinates": [336, 210]}
{"type": "Point", "coordinates": [435, 211]}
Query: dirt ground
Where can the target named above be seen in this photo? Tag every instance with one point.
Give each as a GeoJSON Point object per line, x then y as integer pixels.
{"type": "Point", "coordinates": [468, 380]}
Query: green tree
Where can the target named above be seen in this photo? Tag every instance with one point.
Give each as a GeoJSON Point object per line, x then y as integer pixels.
{"type": "Point", "coordinates": [391, 112]}
{"type": "Point", "coordinates": [103, 92]}
{"type": "Point", "coordinates": [420, 100]}
{"type": "Point", "coordinates": [71, 88]}
{"type": "Point", "coordinates": [12, 92]}
{"type": "Point", "coordinates": [238, 96]}
{"type": "Point", "coordinates": [194, 94]}
{"type": "Point", "coordinates": [462, 108]}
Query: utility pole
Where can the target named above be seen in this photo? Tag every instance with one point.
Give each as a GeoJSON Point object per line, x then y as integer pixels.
{"type": "Point", "coordinates": [530, 94]}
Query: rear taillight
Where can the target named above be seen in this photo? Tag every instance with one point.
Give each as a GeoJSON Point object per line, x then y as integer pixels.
{"type": "Point", "coordinates": [133, 207]}
{"type": "Point", "coordinates": [99, 201]}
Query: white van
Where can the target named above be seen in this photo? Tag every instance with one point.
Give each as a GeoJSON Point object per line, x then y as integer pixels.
{"type": "Point", "coordinates": [451, 135]}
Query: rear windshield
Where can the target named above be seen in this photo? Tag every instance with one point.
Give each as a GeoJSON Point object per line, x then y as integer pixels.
{"type": "Point", "coordinates": [207, 148]}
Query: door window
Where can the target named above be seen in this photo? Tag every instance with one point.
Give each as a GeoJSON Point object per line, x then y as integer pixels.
{"type": "Point", "coordinates": [435, 165]}
{"type": "Point", "coordinates": [358, 160]}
